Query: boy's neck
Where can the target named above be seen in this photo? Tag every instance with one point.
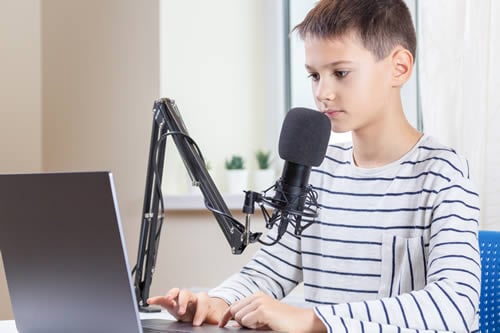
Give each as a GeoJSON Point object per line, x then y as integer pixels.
{"type": "Point", "coordinates": [384, 142]}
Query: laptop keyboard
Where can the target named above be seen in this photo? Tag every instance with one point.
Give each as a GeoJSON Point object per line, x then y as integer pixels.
{"type": "Point", "coordinates": [172, 326]}
{"type": "Point", "coordinates": [164, 326]}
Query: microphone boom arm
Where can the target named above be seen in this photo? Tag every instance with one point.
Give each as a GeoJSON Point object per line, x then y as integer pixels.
{"type": "Point", "coordinates": [294, 203]}
{"type": "Point", "coordinates": [167, 121]}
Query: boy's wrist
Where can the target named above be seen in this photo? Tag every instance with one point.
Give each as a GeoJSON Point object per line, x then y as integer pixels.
{"type": "Point", "coordinates": [311, 322]}
{"type": "Point", "coordinates": [218, 307]}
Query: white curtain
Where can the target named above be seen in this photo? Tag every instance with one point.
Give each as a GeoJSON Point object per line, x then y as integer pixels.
{"type": "Point", "coordinates": [459, 81]}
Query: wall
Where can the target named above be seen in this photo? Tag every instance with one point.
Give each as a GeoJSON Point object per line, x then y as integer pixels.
{"type": "Point", "coordinates": [20, 101]}
{"type": "Point", "coordinates": [222, 63]}
{"type": "Point", "coordinates": [100, 77]}
{"type": "Point", "coordinates": [99, 64]}
{"type": "Point", "coordinates": [93, 68]}
{"type": "Point", "coordinates": [20, 111]}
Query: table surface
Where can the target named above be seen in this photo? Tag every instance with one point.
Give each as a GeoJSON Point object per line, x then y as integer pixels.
{"type": "Point", "coordinates": [9, 326]}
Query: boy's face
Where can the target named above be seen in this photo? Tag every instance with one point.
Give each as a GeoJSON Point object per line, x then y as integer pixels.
{"type": "Point", "coordinates": [349, 84]}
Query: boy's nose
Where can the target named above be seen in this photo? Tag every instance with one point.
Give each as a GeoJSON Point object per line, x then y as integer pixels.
{"type": "Point", "coordinates": [325, 91]}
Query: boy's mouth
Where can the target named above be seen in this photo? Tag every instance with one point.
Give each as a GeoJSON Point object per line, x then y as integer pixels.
{"type": "Point", "coordinates": [331, 113]}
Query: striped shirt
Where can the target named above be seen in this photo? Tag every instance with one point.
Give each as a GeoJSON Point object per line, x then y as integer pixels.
{"type": "Point", "coordinates": [394, 248]}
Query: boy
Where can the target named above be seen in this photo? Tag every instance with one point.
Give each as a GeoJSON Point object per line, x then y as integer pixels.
{"type": "Point", "coordinates": [395, 246]}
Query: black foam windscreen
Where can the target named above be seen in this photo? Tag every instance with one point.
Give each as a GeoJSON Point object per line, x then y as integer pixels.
{"type": "Point", "coordinates": [304, 137]}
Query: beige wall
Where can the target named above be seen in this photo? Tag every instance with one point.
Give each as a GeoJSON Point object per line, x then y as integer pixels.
{"type": "Point", "coordinates": [194, 253]}
{"type": "Point", "coordinates": [218, 64]}
{"type": "Point", "coordinates": [100, 65]}
{"type": "Point", "coordinates": [81, 80]}
{"type": "Point", "coordinates": [20, 109]}
{"type": "Point", "coordinates": [218, 61]}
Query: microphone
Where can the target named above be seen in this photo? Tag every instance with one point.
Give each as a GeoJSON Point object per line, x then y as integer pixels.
{"type": "Point", "coordinates": [303, 141]}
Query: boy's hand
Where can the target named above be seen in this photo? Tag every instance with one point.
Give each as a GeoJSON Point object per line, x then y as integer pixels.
{"type": "Point", "coordinates": [189, 307]}
{"type": "Point", "coordinates": [261, 311]}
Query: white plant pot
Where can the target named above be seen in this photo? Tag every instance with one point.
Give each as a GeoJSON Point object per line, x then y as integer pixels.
{"type": "Point", "coordinates": [263, 179]}
{"type": "Point", "coordinates": [236, 181]}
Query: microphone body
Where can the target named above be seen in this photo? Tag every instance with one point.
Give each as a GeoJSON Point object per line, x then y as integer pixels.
{"type": "Point", "coordinates": [303, 142]}
{"type": "Point", "coordinates": [292, 186]}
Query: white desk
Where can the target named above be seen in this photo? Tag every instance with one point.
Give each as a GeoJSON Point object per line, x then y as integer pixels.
{"type": "Point", "coordinates": [9, 326]}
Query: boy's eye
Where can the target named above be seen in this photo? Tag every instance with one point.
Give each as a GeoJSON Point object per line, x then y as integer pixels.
{"type": "Point", "coordinates": [313, 76]}
{"type": "Point", "coordinates": [341, 74]}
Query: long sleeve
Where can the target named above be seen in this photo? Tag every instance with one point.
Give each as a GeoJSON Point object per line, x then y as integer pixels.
{"type": "Point", "coordinates": [449, 301]}
{"type": "Point", "coordinates": [394, 248]}
{"type": "Point", "coordinates": [274, 270]}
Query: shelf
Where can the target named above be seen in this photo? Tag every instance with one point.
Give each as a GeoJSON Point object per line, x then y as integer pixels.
{"type": "Point", "coordinates": [193, 202]}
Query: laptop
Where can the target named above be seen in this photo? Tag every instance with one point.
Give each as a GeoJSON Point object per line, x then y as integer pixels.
{"type": "Point", "coordinates": [64, 257]}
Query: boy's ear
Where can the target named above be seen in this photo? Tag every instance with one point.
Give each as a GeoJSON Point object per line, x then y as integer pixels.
{"type": "Point", "coordinates": [402, 66]}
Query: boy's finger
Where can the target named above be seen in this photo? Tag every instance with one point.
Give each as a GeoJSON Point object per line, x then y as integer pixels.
{"type": "Point", "coordinates": [201, 309]}
{"type": "Point", "coordinates": [228, 315]}
{"type": "Point", "coordinates": [185, 296]}
{"type": "Point", "coordinates": [152, 300]}
{"type": "Point", "coordinates": [159, 300]}
{"type": "Point", "coordinates": [173, 293]}
{"type": "Point", "coordinates": [164, 300]}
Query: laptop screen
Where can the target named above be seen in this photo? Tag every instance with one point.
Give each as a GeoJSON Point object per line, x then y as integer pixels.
{"type": "Point", "coordinates": [64, 254]}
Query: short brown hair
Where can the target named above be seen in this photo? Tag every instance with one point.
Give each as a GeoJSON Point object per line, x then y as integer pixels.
{"type": "Point", "coordinates": [380, 24]}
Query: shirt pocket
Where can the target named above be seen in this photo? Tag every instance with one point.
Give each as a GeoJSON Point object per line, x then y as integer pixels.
{"type": "Point", "coordinates": [403, 265]}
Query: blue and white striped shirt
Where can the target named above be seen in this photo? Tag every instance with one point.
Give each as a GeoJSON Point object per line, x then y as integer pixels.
{"type": "Point", "coordinates": [394, 248]}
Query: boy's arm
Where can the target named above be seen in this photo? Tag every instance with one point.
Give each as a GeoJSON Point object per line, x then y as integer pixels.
{"type": "Point", "coordinates": [449, 301]}
{"type": "Point", "coordinates": [260, 311]}
{"type": "Point", "coordinates": [274, 270]}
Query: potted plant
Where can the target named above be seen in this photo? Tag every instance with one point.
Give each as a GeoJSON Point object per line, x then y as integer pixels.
{"type": "Point", "coordinates": [264, 176]}
{"type": "Point", "coordinates": [236, 174]}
